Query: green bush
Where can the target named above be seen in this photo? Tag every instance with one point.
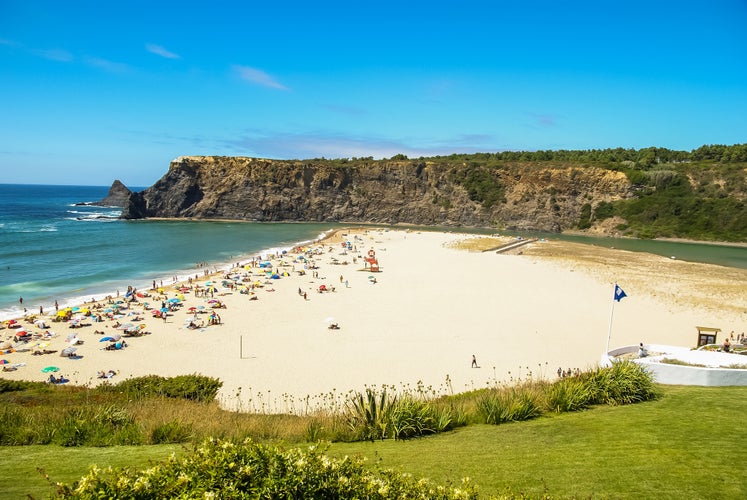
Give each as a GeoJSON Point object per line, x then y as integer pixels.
{"type": "Point", "coordinates": [171, 432]}
{"type": "Point", "coordinates": [624, 382]}
{"type": "Point", "coordinates": [97, 426]}
{"type": "Point", "coordinates": [412, 417]}
{"type": "Point", "coordinates": [224, 469]}
{"type": "Point", "coordinates": [513, 404]}
{"type": "Point", "coordinates": [584, 218]}
{"type": "Point", "coordinates": [368, 415]}
{"type": "Point", "coordinates": [191, 387]}
{"type": "Point", "coordinates": [568, 394]}
{"type": "Point", "coordinates": [604, 210]}
{"type": "Point", "coordinates": [14, 385]}
{"type": "Point", "coordinates": [481, 183]}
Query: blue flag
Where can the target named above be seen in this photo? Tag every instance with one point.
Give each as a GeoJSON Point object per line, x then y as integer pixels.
{"type": "Point", "coordinates": [619, 293]}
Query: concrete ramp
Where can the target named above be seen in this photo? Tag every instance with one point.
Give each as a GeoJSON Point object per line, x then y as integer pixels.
{"type": "Point", "coordinates": [511, 246]}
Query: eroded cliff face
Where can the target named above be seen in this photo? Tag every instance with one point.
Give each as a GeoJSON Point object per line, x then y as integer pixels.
{"type": "Point", "coordinates": [410, 191]}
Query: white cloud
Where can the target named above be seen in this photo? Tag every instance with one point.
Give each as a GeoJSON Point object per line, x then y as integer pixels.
{"type": "Point", "coordinates": [106, 65]}
{"type": "Point", "coordinates": [54, 55]}
{"type": "Point", "coordinates": [258, 77]}
{"type": "Point", "coordinates": [161, 51]}
{"type": "Point", "coordinates": [340, 145]}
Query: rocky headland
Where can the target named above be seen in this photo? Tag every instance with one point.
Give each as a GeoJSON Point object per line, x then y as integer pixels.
{"type": "Point", "coordinates": [443, 192]}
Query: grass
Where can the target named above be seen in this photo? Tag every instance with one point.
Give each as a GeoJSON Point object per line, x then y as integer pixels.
{"type": "Point", "coordinates": [20, 466]}
{"type": "Point", "coordinates": [688, 444]}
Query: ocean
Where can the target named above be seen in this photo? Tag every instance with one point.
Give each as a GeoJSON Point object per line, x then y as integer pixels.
{"type": "Point", "coordinates": [52, 248]}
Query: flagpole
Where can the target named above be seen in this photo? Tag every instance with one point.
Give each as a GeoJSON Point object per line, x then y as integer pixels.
{"type": "Point", "coordinates": [612, 312]}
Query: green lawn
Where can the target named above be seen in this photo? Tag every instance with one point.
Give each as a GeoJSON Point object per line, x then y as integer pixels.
{"type": "Point", "coordinates": [688, 444]}
{"type": "Point", "coordinates": [19, 465]}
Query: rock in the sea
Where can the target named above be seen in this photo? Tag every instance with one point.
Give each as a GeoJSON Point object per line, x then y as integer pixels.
{"type": "Point", "coordinates": [117, 196]}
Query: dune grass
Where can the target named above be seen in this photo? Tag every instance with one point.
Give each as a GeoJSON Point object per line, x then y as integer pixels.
{"type": "Point", "coordinates": [687, 444]}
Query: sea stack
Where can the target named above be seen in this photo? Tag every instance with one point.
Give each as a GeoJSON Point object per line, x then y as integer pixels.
{"type": "Point", "coordinates": [117, 196]}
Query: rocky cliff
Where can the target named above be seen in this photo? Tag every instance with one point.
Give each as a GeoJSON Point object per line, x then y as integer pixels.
{"type": "Point", "coordinates": [444, 192]}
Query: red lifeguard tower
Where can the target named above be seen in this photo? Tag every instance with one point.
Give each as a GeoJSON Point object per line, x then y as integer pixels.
{"type": "Point", "coordinates": [373, 263]}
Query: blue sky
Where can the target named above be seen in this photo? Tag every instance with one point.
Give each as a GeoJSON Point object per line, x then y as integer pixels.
{"type": "Point", "coordinates": [93, 91]}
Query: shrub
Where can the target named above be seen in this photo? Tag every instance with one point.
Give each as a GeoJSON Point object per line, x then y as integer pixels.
{"type": "Point", "coordinates": [224, 469]}
{"type": "Point", "coordinates": [368, 414]}
{"type": "Point", "coordinates": [171, 432]}
{"type": "Point", "coordinates": [191, 387]}
{"type": "Point", "coordinates": [568, 394]}
{"type": "Point", "coordinates": [14, 385]}
{"type": "Point", "coordinates": [411, 417]}
{"type": "Point", "coordinates": [509, 405]}
{"type": "Point", "coordinates": [624, 382]}
{"type": "Point", "coordinates": [91, 425]}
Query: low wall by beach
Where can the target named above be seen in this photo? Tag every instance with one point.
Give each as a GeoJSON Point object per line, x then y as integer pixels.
{"type": "Point", "coordinates": [714, 370]}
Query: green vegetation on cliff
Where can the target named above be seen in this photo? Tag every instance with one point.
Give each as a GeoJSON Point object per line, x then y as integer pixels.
{"type": "Point", "coordinates": [697, 195]}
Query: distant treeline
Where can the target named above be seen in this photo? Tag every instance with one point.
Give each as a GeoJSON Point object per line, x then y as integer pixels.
{"type": "Point", "coordinates": [720, 153]}
{"type": "Point", "coordinates": [646, 156]}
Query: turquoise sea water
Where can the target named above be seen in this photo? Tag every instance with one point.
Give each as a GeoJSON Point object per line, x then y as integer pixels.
{"type": "Point", "coordinates": [51, 249]}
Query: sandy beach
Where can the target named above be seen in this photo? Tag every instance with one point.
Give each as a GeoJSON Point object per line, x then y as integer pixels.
{"type": "Point", "coordinates": [435, 303]}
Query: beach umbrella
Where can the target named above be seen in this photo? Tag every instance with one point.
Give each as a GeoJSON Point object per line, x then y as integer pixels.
{"type": "Point", "coordinates": [68, 351]}
{"type": "Point", "coordinates": [174, 300]}
{"type": "Point", "coordinates": [164, 309]}
{"type": "Point", "coordinates": [105, 339]}
{"type": "Point", "coordinates": [4, 361]}
{"type": "Point", "coordinates": [48, 369]}
{"type": "Point", "coordinates": [193, 308]}
{"type": "Point", "coordinates": [116, 336]}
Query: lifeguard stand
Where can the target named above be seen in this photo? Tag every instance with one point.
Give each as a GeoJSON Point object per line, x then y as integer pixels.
{"type": "Point", "coordinates": [707, 335]}
{"type": "Point", "coordinates": [372, 262]}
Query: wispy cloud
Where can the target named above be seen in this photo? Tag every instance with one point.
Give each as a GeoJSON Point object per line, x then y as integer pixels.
{"type": "Point", "coordinates": [543, 120]}
{"type": "Point", "coordinates": [258, 77]}
{"type": "Point", "coordinates": [53, 54]}
{"type": "Point", "coordinates": [340, 145]}
{"type": "Point", "coordinates": [10, 43]}
{"type": "Point", "coordinates": [161, 51]}
{"type": "Point", "coordinates": [59, 55]}
{"type": "Point", "coordinates": [106, 65]}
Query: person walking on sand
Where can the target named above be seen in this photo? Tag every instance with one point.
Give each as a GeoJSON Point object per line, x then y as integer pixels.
{"type": "Point", "coordinates": [474, 362]}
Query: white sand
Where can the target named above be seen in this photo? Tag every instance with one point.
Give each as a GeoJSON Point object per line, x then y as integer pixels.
{"type": "Point", "coordinates": [432, 308]}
